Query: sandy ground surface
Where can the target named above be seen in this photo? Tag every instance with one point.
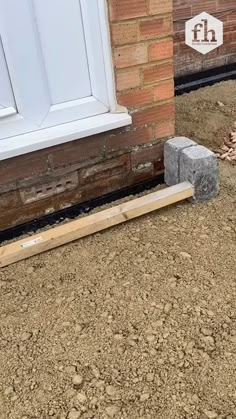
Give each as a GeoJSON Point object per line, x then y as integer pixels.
{"type": "Point", "coordinates": [136, 322]}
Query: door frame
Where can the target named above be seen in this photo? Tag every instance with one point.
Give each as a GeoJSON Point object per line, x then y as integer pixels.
{"type": "Point", "coordinates": [103, 87]}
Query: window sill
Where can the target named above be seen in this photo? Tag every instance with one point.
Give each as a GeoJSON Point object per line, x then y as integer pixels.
{"type": "Point", "coordinates": [60, 134]}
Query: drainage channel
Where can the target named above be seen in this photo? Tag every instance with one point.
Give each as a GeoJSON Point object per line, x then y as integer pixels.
{"type": "Point", "coordinates": [191, 82]}
{"type": "Point", "coordinates": [75, 211]}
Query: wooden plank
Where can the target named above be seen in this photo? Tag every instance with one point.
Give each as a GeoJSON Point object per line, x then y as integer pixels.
{"type": "Point", "coordinates": [85, 226]}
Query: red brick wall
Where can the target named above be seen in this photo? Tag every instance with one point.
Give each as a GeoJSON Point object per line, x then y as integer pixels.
{"type": "Point", "coordinates": [189, 61]}
{"type": "Point", "coordinates": [141, 32]}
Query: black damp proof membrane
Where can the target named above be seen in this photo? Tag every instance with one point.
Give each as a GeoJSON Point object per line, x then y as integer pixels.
{"type": "Point", "coordinates": [191, 82]}
{"type": "Point", "coordinates": [76, 210]}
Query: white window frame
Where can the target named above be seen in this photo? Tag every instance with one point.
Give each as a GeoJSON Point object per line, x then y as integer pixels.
{"type": "Point", "coordinates": [116, 117]}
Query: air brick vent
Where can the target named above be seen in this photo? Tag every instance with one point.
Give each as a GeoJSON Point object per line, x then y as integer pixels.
{"type": "Point", "coordinates": [36, 193]}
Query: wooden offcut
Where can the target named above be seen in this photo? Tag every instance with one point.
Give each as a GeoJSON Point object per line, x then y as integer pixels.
{"type": "Point", "coordinates": [86, 226]}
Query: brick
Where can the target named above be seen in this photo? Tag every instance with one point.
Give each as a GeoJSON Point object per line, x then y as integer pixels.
{"type": "Point", "coordinates": [148, 154]}
{"type": "Point", "coordinates": [157, 7]}
{"type": "Point", "coordinates": [158, 72]}
{"type": "Point", "coordinates": [10, 200]}
{"type": "Point", "coordinates": [143, 172]}
{"type": "Point", "coordinates": [156, 28]}
{"type": "Point", "coordinates": [105, 186]}
{"type": "Point", "coordinates": [165, 129]}
{"type": "Point", "coordinates": [107, 168]}
{"type": "Point", "coordinates": [131, 55]}
{"type": "Point", "coordinates": [42, 189]}
{"type": "Point", "coordinates": [182, 13]}
{"type": "Point", "coordinates": [209, 6]}
{"type": "Point", "coordinates": [79, 151]}
{"type": "Point", "coordinates": [222, 5]}
{"type": "Point", "coordinates": [34, 210]}
{"type": "Point", "coordinates": [182, 3]}
{"type": "Point", "coordinates": [123, 9]}
{"type": "Point", "coordinates": [127, 79]}
{"type": "Point", "coordinates": [154, 114]}
{"type": "Point", "coordinates": [129, 139]}
{"type": "Point", "coordinates": [23, 167]}
{"type": "Point", "coordinates": [124, 33]}
{"type": "Point", "coordinates": [161, 50]}
{"type": "Point", "coordinates": [164, 91]}
{"type": "Point", "coordinates": [231, 16]}
{"type": "Point", "coordinates": [136, 98]}
{"type": "Point", "coordinates": [179, 37]}
{"type": "Point", "coordinates": [229, 49]}
{"type": "Point", "coordinates": [158, 167]}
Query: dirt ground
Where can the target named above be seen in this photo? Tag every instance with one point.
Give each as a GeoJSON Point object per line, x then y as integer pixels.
{"type": "Point", "coordinates": [208, 114]}
{"type": "Point", "coordinates": [136, 322]}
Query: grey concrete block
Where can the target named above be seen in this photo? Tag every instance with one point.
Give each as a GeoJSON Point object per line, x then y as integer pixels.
{"type": "Point", "coordinates": [172, 150]}
{"type": "Point", "coordinates": [199, 166]}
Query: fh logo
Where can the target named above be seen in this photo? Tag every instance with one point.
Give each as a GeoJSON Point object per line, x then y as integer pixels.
{"type": "Point", "coordinates": [204, 33]}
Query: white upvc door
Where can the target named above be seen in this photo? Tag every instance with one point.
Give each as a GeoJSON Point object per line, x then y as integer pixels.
{"type": "Point", "coordinates": [52, 68]}
{"type": "Point", "coordinates": [7, 102]}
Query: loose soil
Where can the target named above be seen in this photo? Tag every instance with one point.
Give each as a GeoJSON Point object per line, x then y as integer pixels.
{"type": "Point", "coordinates": [137, 322]}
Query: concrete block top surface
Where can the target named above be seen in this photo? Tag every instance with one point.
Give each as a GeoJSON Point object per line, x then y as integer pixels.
{"type": "Point", "coordinates": [180, 142]}
{"type": "Point", "coordinates": [199, 152]}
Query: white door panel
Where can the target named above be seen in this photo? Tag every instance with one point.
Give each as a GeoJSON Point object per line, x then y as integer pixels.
{"type": "Point", "coordinates": [24, 59]}
{"type": "Point", "coordinates": [62, 38]}
{"type": "Point", "coordinates": [6, 94]}
{"type": "Point", "coordinates": [47, 56]}
{"type": "Point", "coordinates": [94, 46]}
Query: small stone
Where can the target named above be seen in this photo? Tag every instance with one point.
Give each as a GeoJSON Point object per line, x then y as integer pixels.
{"type": "Point", "coordinates": [118, 336]}
{"type": "Point", "coordinates": [77, 380]}
{"type": "Point", "coordinates": [185, 255]}
{"type": "Point", "coordinates": [111, 390]}
{"type": "Point", "coordinates": [81, 398]}
{"type": "Point", "coordinates": [195, 398]}
{"type": "Point", "coordinates": [210, 414]}
{"type": "Point", "coordinates": [26, 336]}
{"type": "Point", "coordinates": [144, 397]}
{"type": "Point", "coordinates": [30, 270]}
{"type": "Point", "coordinates": [158, 323]}
{"type": "Point", "coordinates": [78, 328]}
{"type": "Point", "coordinates": [74, 414]}
{"type": "Point", "coordinates": [96, 372]}
{"type": "Point", "coordinates": [112, 411]}
{"type": "Point", "coordinates": [70, 369]}
{"type": "Point", "coordinates": [135, 239]}
{"type": "Point", "coordinates": [8, 390]}
{"type": "Point", "coordinates": [150, 377]}
{"type": "Point", "coordinates": [233, 339]}
{"type": "Point", "coordinates": [151, 338]}
{"type": "Point", "coordinates": [66, 324]}
{"type": "Point", "coordinates": [206, 332]}
{"type": "Point", "coordinates": [167, 308]}
{"type": "Point", "coordinates": [209, 342]}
